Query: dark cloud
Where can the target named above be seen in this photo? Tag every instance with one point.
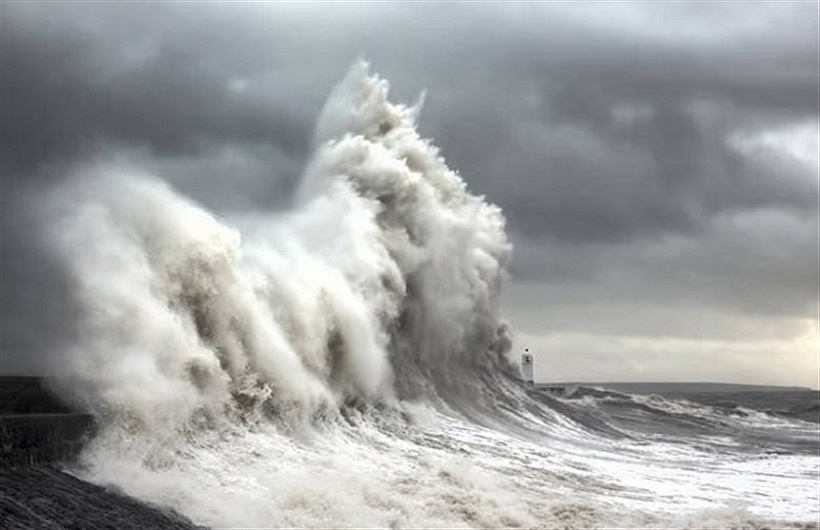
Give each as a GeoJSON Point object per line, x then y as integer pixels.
{"type": "Point", "coordinates": [71, 88]}
{"type": "Point", "coordinates": [602, 130]}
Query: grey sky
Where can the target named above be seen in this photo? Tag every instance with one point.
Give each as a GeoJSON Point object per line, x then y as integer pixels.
{"type": "Point", "coordinates": [657, 162]}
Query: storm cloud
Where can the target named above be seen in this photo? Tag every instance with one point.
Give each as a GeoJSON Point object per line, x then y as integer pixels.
{"type": "Point", "coordinates": [650, 159]}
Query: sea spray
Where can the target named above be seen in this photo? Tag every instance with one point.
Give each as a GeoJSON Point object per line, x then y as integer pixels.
{"type": "Point", "coordinates": [381, 283]}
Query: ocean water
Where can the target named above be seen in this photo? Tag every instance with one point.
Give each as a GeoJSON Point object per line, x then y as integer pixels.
{"type": "Point", "coordinates": [344, 363]}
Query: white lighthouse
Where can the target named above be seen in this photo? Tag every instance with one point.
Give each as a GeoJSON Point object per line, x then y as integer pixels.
{"type": "Point", "coordinates": [526, 366]}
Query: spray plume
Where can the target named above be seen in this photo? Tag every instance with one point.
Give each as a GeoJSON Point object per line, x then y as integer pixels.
{"type": "Point", "coordinates": [382, 283]}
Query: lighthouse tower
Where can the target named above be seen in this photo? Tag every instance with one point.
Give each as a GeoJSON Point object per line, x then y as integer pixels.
{"type": "Point", "coordinates": [526, 366]}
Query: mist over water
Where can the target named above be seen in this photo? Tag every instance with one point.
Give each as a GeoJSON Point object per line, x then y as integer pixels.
{"type": "Point", "coordinates": [344, 363]}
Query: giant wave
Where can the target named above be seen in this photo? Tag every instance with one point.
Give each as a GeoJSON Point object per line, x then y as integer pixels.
{"type": "Point", "coordinates": [344, 362]}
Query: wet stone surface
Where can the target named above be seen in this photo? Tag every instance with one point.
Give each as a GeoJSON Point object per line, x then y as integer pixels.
{"type": "Point", "coordinates": [47, 498]}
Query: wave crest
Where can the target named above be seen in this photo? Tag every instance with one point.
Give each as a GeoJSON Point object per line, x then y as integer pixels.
{"type": "Point", "coordinates": [382, 283]}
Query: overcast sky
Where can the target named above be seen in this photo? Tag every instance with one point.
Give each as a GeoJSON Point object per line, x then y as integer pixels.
{"type": "Point", "coordinates": [657, 162]}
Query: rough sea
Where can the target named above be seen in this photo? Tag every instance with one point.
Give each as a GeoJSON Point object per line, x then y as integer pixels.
{"type": "Point", "coordinates": [345, 363]}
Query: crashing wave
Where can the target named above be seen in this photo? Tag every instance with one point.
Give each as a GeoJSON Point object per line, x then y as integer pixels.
{"type": "Point", "coordinates": [382, 283]}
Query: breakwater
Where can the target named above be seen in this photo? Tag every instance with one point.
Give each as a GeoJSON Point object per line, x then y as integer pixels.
{"type": "Point", "coordinates": [39, 434]}
{"type": "Point", "coordinates": [35, 426]}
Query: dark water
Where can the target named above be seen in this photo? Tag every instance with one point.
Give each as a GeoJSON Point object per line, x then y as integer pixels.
{"type": "Point", "coordinates": [803, 405]}
{"type": "Point", "coordinates": [758, 422]}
